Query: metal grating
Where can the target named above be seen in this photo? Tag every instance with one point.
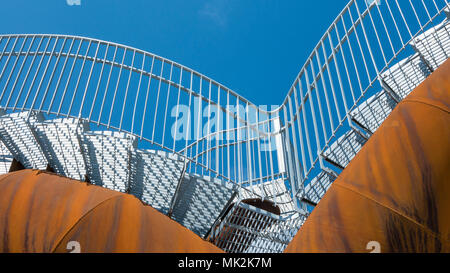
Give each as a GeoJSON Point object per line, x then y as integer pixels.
{"type": "Point", "coordinates": [341, 152]}
{"type": "Point", "coordinates": [5, 159]}
{"type": "Point", "coordinates": [60, 143]}
{"type": "Point", "coordinates": [274, 191]}
{"type": "Point", "coordinates": [17, 135]}
{"type": "Point", "coordinates": [155, 177]}
{"type": "Point", "coordinates": [108, 158]}
{"type": "Point", "coordinates": [406, 75]}
{"type": "Point", "coordinates": [200, 201]}
{"type": "Point", "coordinates": [434, 44]}
{"type": "Point", "coordinates": [372, 113]}
{"type": "Point", "coordinates": [247, 229]}
{"type": "Point", "coordinates": [317, 188]}
{"type": "Point", "coordinates": [276, 238]}
{"type": "Point", "coordinates": [335, 78]}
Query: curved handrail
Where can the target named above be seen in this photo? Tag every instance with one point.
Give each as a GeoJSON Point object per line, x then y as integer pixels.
{"type": "Point", "coordinates": [59, 53]}
{"type": "Point", "coordinates": [137, 51]}
{"type": "Point", "coordinates": [153, 98]}
{"type": "Point", "coordinates": [349, 64]}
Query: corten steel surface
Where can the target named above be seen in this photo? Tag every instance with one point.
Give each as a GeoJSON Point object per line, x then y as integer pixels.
{"type": "Point", "coordinates": [397, 189]}
{"type": "Point", "coordinates": [42, 212]}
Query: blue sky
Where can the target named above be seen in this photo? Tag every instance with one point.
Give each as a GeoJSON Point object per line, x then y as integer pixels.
{"type": "Point", "coordinates": [255, 47]}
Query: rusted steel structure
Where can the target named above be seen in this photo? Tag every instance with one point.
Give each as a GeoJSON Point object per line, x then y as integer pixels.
{"type": "Point", "coordinates": [198, 152]}
{"type": "Point", "coordinates": [396, 191]}
{"type": "Point", "coordinates": [44, 212]}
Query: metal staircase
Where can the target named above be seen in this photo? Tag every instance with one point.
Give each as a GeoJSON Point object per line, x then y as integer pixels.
{"type": "Point", "coordinates": [200, 201]}
{"type": "Point", "coordinates": [156, 175]}
{"type": "Point", "coordinates": [317, 188]}
{"type": "Point", "coordinates": [432, 48]}
{"type": "Point", "coordinates": [59, 139]}
{"type": "Point", "coordinates": [16, 132]}
{"type": "Point", "coordinates": [104, 165]}
{"type": "Point", "coordinates": [112, 160]}
{"type": "Point", "coordinates": [101, 112]}
{"type": "Point", "coordinates": [345, 148]}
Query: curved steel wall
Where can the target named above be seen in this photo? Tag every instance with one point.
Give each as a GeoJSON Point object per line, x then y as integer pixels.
{"type": "Point", "coordinates": [42, 212]}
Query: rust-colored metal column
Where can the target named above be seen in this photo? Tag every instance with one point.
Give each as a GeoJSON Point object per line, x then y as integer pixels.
{"type": "Point", "coordinates": [43, 212]}
{"type": "Point", "coordinates": [395, 195]}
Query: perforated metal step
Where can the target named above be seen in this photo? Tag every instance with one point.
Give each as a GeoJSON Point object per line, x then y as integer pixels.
{"type": "Point", "coordinates": [274, 191]}
{"type": "Point", "coordinates": [108, 158]}
{"type": "Point", "coordinates": [6, 159]}
{"type": "Point", "coordinates": [16, 133]}
{"type": "Point", "coordinates": [319, 185]}
{"type": "Point", "coordinates": [406, 75]}
{"type": "Point", "coordinates": [247, 229]}
{"type": "Point", "coordinates": [275, 238]}
{"type": "Point", "coordinates": [434, 44]}
{"type": "Point", "coordinates": [200, 201]}
{"type": "Point", "coordinates": [156, 175]}
{"type": "Point", "coordinates": [60, 142]}
{"type": "Point", "coordinates": [372, 113]}
{"type": "Point", "coordinates": [342, 151]}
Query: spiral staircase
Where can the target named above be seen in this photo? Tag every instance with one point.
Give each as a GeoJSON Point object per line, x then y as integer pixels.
{"type": "Point", "coordinates": [209, 206]}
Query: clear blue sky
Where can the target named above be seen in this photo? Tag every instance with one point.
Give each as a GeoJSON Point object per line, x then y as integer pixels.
{"type": "Point", "coordinates": [255, 47]}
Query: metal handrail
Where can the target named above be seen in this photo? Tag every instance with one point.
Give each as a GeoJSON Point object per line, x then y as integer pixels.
{"type": "Point", "coordinates": [336, 55]}
{"type": "Point", "coordinates": [126, 89]}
